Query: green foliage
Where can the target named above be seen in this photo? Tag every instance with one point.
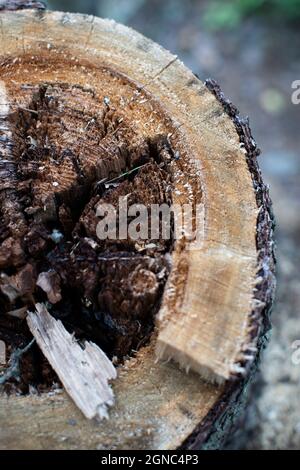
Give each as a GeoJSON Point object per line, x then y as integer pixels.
{"type": "Point", "coordinates": [227, 14]}
{"type": "Point", "coordinates": [288, 8]}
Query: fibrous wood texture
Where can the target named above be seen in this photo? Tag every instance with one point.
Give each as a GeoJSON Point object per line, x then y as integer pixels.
{"type": "Point", "coordinates": [219, 291]}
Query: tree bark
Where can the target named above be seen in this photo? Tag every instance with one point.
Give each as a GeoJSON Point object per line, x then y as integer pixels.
{"type": "Point", "coordinates": [215, 308]}
{"type": "Point", "coordinates": [14, 5]}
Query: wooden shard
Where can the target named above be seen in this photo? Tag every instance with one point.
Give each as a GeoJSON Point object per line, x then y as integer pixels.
{"type": "Point", "coordinates": [85, 373]}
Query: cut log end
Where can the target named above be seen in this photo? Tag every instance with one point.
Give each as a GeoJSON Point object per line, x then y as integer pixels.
{"type": "Point", "coordinates": [144, 126]}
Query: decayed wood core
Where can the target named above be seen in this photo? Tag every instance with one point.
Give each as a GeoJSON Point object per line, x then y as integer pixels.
{"type": "Point", "coordinates": [62, 142]}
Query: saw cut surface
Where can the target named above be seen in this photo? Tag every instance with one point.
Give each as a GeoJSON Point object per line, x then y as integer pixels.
{"type": "Point", "coordinates": [148, 106]}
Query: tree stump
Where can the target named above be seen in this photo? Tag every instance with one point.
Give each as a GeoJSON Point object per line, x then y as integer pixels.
{"type": "Point", "coordinates": [105, 100]}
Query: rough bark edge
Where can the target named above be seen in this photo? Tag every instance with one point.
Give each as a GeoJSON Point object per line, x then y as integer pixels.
{"type": "Point", "coordinates": [211, 433]}
{"type": "Point", "coordinates": [14, 5]}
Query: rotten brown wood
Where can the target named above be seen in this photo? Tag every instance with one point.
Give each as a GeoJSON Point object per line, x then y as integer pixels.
{"type": "Point", "coordinates": [217, 296]}
{"type": "Point", "coordinates": [63, 142]}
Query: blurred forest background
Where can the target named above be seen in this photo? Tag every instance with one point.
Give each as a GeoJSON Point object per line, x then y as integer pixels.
{"type": "Point", "coordinates": [252, 48]}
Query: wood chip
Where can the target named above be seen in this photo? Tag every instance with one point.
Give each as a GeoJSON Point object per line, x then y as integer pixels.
{"type": "Point", "coordinates": [20, 313]}
{"type": "Point", "coordinates": [84, 372]}
{"type": "Point", "coordinates": [49, 282]}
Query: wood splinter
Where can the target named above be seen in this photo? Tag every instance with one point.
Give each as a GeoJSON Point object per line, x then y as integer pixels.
{"type": "Point", "coordinates": [85, 373]}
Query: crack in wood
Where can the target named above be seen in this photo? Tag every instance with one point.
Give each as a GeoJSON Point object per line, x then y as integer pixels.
{"type": "Point", "coordinates": [90, 33]}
